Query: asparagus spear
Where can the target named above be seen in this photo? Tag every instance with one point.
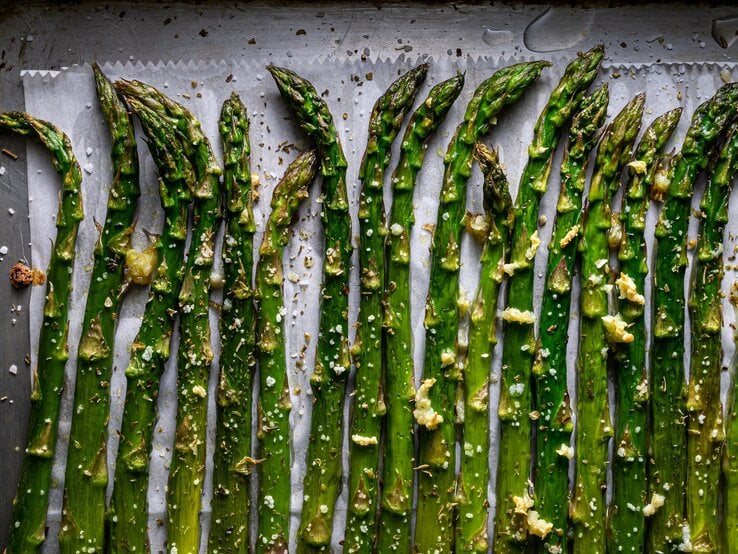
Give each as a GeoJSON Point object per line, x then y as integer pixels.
{"type": "Point", "coordinates": [705, 431]}
{"type": "Point", "coordinates": [128, 515]}
{"type": "Point", "coordinates": [274, 393]}
{"type": "Point", "coordinates": [195, 354]}
{"type": "Point", "coordinates": [730, 453]}
{"type": "Point", "coordinates": [188, 461]}
{"type": "Point", "coordinates": [551, 394]}
{"type": "Point", "coordinates": [626, 515]}
{"type": "Point", "coordinates": [83, 515]}
{"type": "Point", "coordinates": [594, 429]}
{"type": "Point", "coordinates": [519, 341]}
{"type": "Point", "coordinates": [667, 467]}
{"type": "Point", "coordinates": [473, 481]}
{"type": "Point", "coordinates": [399, 452]}
{"type": "Point", "coordinates": [28, 527]}
{"type": "Point", "coordinates": [368, 407]}
{"type": "Point", "coordinates": [328, 381]}
{"type": "Point", "coordinates": [437, 393]}
{"type": "Point", "coordinates": [229, 531]}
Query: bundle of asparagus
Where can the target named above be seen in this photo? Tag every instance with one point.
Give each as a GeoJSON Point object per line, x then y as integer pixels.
{"type": "Point", "coordinates": [28, 521]}
{"type": "Point", "coordinates": [626, 516]}
{"type": "Point", "coordinates": [232, 462]}
{"type": "Point", "coordinates": [274, 404]}
{"type": "Point", "coordinates": [473, 480]}
{"type": "Point", "coordinates": [551, 394]}
{"type": "Point", "coordinates": [368, 406]}
{"type": "Point", "coordinates": [116, 266]}
{"type": "Point", "coordinates": [128, 514]}
{"type": "Point", "coordinates": [513, 475]}
{"type": "Point", "coordinates": [328, 380]}
{"type": "Point", "coordinates": [667, 467]}
{"type": "Point", "coordinates": [436, 396]}
{"type": "Point", "coordinates": [399, 453]}
{"type": "Point", "coordinates": [705, 430]}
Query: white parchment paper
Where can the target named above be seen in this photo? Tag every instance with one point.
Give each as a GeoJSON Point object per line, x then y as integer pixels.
{"type": "Point", "coordinates": [68, 99]}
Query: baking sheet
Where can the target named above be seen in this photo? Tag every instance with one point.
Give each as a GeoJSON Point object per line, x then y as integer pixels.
{"type": "Point", "coordinates": [354, 97]}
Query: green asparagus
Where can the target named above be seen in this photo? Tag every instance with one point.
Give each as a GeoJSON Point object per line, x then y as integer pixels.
{"type": "Point", "coordinates": [626, 515]}
{"type": "Point", "coordinates": [83, 514]}
{"type": "Point", "coordinates": [193, 361]}
{"type": "Point", "coordinates": [597, 328]}
{"type": "Point", "coordinates": [705, 431]}
{"type": "Point", "coordinates": [368, 406]}
{"type": "Point", "coordinates": [187, 470]}
{"type": "Point", "coordinates": [668, 448]}
{"type": "Point", "coordinates": [515, 404]}
{"type": "Point", "coordinates": [28, 527]}
{"type": "Point", "coordinates": [232, 463]}
{"type": "Point", "coordinates": [328, 380]}
{"type": "Point", "coordinates": [399, 452]}
{"type": "Point", "coordinates": [730, 453]}
{"type": "Point", "coordinates": [473, 480]}
{"type": "Point", "coordinates": [549, 368]}
{"type": "Point", "coordinates": [434, 400]}
{"type": "Point", "coordinates": [128, 514]}
{"type": "Point", "coordinates": [274, 405]}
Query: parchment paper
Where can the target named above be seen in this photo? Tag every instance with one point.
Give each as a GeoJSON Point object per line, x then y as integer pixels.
{"type": "Point", "coordinates": [68, 99]}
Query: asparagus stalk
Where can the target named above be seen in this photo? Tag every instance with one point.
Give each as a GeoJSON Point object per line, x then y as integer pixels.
{"type": "Point", "coordinates": [705, 431]}
{"type": "Point", "coordinates": [28, 527]}
{"type": "Point", "coordinates": [626, 515]}
{"type": "Point", "coordinates": [368, 407]}
{"type": "Point", "coordinates": [473, 480]}
{"type": "Point", "coordinates": [667, 467]}
{"type": "Point", "coordinates": [232, 464]}
{"type": "Point", "coordinates": [730, 453]}
{"type": "Point", "coordinates": [594, 429]}
{"type": "Point", "coordinates": [436, 396]}
{"type": "Point", "coordinates": [195, 354]}
{"type": "Point", "coordinates": [328, 381]}
{"type": "Point", "coordinates": [551, 394]}
{"type": "Point", "coordinates": [399, 453]}
{"type": "Point", "coordinates": [188, 461]}
{"type": "Point", "coordinates": [128, 514]}
{"type": "Point", "coordinates": [515, 404]}
{"type": "Point", "coordinates": [274, 394]}
{"type": "Point", "coordinates": [83, 515]}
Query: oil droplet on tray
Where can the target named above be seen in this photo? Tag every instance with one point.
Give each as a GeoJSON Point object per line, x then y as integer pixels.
{"type": "Point", "coordinates": [497, 38]}
{"type": "Point", "coordinates": [558, 29]}
{"type": "Point", "coordinates": [725, 30]}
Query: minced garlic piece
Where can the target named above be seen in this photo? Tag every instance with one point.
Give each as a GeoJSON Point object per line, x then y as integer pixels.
{"type": "Point", "coordinates": [463, 302]}
{"type": "Point", "coordinates": [361, 440]}
{"type": "Point", "coordinates": [523, 504]}
{"type": "Point", "coordinates": [199, 391]}
{"type": "Point", "coordinates": [517, 316]}
{"type": "Point", "coordinates": [424, 413]}
{"type": "Point", "coordinates": [448, 357]}
{"type": "Point", "coordinates": [660, 184]}
{"type": "Point", "coordinates": [628, 290]}
{"type": "Point", "coordinates": [617, 329]}
{"type": "Point", "coordinates": [140, 266]}
{"type": "Point", "coordinates": [657, 501]}
{"type": "Point", "coordinates": [511, 268]}
{"type": "Point", "coordinates": [538, 526]}
{"type": "Point", "coordinates": [639, 166]}
{"type": "Point", "coordinates": [569, 236]}
{"type": "Point", "coordinates": [565, 450]}
{"type": "Point", "coordinates": [535, 242]}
